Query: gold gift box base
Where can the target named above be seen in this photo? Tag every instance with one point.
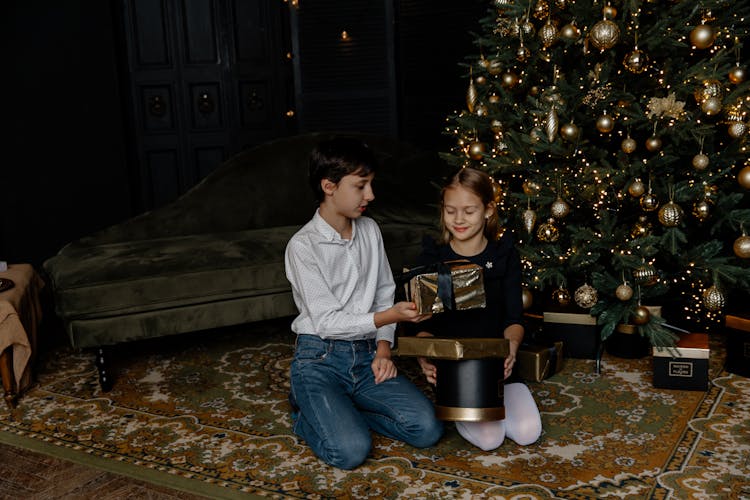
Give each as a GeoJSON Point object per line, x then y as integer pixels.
{"type": "Point", "coordinates": [469, 414]}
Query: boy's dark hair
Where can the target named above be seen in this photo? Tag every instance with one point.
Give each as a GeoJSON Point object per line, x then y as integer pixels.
{"type": "Point", "coordinates": [335, 158]}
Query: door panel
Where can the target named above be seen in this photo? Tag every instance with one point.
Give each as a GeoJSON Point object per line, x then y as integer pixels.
{"type": "Point", "coordinates": [205, 79]}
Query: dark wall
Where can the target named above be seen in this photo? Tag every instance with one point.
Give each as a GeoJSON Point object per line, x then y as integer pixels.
{"type": "Point", "coordinates": [64, 173]}
{"type": "Point", "coordinates": [432, 38]}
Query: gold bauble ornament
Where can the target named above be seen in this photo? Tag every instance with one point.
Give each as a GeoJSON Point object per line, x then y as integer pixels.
{"type": "Point", "coordinates": [609, 12]}
{"type": "Point", "coordinates": [709, 88]}
{"type": "Point", "coordinates": [605, 123]}
{"type": "Point", "coordinates": [529, 219]}
{"type": "Point", "coordinates": [570, 32]}
{"type": "Point", "coordinates": [736, 130]}
{"type": "Point", "coordinates": [711, 106]}
{"type": "Point", "coordinates": [734, 113]}
{"type": "Point", "coordinates": [526, 27]}
{"type": "Point", "coordinates": [640, 316]}
{"type": "Point", "coordinates": [561, 296]}
{"type": "Point", "coordinates": [653, 143]}
{"type": "Point", "coordinates": [741, 247]}
{"type": "Point", "coordinates": [743, 177]}
{"type": "Point", "coordinates": [493, 99]}
{"type": "Point", "coordinates": [496, 125]}
{"type": "Point", "coordinates": [495, 67]}
{"type": "Point", "coordinates": [624, 292]}
{"type": "Point", "coordinates": [636, 61]}
{"type": "Point", "coordinates": [645, 275]}
{"type": "Point", "coordinates": [737, 74]}
{"type": "Point", "coordinates": [551, 124]}
{"type": "Point", "coordinates": [477, 150]}
{"type": "Point", "coordinates": [628, 145]}
{"type": "Point", "coordinates": [569, 132]}
{"type": "Point", "coordinates": [531, 188]}
{"type": "Point", "coordinates": [559, 208]}
{"type": "Point", "coordinates": [509, 79]}
{"type": "Point", "coordinates": [471, 96]}
{"type": "Point", "coordinates": [702, 209]}
{"type": "Point", "coordinates": [527, 298]}
{"type": "Point", "coordinates": [700, 161]}
{"type": "Point", "coordinates": [636, 188]}
{"type": "Point", "coordinates": [548, 232]}
{"type": "Point", "coordinates": [641, 228]}
{"type": "Point", "coordinates": [481, 80]}
{"type": "Point", "coordinates": [605, 34]}
{"type": "Point", "coordinates": [586, 296]}
{"type": "Point", "coordinates": [649, 202]}
{"type": "Point", "coordinates": [547, 34]}
{"type": "Point", "coordinates": [702, 36]}
{"type": "Point", "coordinates": [481, 110]}
{"type": "Point", "coordinates": [670, 214]}
{"type": "Point", "coordinates": [713, 299]}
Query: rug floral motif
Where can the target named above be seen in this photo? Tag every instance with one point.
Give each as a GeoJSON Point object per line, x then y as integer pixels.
{"type": "Point", "coordinates": [213, 408]}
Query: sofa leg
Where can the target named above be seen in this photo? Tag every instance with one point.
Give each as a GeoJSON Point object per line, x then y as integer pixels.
{"type": "Point", "coordinates": [103, 364]}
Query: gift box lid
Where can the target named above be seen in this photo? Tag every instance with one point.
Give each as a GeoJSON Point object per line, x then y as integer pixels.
{"type": "Point", "coordinates": [569, 318]}
{"type": "Point", "coordinates": [468, 348]}
{"type": "Point", "coordinates": [690, 345]}
{"type": "Point", "coordinates": [737, 323]}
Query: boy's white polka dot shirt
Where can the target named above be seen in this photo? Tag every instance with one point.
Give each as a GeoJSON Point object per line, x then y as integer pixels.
{"type": "Point", "coordinates": [338, 285]}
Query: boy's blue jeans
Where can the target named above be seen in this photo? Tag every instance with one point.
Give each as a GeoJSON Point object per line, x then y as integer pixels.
{"type": "Point", "coordinates": [339, 402]}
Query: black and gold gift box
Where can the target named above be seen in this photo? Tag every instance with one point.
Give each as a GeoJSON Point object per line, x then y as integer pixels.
{"type": "Point", "coordinates": [470, 381]}
{"type": "Point", "coordinates": [684, 366]}
{"type": "Point", "coordinates": [536, 361]}
{"type": "Point", "coordinates": [579, 333]}
{"type": "Point", "coordinates": [457, 285]}
{"type": "Point", "coordinates": [737, 330]}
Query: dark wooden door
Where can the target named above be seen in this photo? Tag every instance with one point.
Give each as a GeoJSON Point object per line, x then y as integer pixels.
{"type": "Point", "coordinates": [205, 79]}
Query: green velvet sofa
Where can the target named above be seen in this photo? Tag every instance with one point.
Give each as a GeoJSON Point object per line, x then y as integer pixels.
{"type": "Point", "coordinates": [215, 256]}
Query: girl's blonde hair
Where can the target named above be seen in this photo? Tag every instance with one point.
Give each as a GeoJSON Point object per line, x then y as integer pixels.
{"type": "Point", "coordinates": [479, 183]}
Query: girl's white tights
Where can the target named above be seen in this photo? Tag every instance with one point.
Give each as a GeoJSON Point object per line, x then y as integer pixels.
{"type": "Point", "coordinates": [522, 423]}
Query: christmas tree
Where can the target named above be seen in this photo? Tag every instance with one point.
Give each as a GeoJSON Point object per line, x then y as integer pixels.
{"type": "Point", "coordinates": [617, 136]}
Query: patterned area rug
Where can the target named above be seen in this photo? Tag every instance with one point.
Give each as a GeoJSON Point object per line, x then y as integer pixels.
{"type": "Point", "coordinates": [209, 413]}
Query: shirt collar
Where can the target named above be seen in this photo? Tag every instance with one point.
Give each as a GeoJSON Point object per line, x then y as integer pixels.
{"type": "Point", "coordinates": [329, 233]}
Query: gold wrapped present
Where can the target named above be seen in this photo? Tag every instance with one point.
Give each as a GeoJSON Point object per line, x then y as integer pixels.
{"type": "Point", "coordinates": [439, 348]}
{"type": "Point", "coordinates": [455, 285]}
{"type": "Point", "coordinates": [537, 362]}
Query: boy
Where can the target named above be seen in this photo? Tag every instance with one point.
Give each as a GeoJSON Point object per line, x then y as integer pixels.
{"type": "Point", "coordinates": [344, 382]}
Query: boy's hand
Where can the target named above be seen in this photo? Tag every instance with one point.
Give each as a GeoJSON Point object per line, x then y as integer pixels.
{"type": "Point", "coordinates": [383, 368]}
{"type": "Point", "coordinates": [400, 311]}
{"type": "Point", "coordinates": [407, 311]}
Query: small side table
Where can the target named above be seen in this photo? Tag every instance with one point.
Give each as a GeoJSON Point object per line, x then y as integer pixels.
{"type": "Point", "coordinates": [20, 315]}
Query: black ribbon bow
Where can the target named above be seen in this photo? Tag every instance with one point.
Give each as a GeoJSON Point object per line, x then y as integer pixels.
{"type": "Point", "coordinates": [444, 280]}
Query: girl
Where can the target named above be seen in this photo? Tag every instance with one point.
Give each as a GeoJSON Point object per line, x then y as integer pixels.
{"type": "Point", "coordinates": [471, 231]}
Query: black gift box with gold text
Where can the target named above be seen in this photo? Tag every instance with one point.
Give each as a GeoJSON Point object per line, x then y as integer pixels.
{"type": "Point", "coordinates": [684, 366]}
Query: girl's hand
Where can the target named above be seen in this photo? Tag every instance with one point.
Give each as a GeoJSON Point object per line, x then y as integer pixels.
{"type": "Point", "coordinates": [429, 370]}
{"type": "Point", "coordinates": [510, 361]}
{"type": "Point", "coordinates": [383, 368]}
